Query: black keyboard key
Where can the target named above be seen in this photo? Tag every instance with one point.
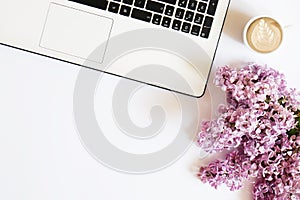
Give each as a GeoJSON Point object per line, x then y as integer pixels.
{"type": "Point", "coordinates": [186, 27]}
{"type": "Point", "coordinates": [169, 10]}
{"type": "Point", "coordinates": [125, 10]}
{"type": "Point", "coordinates": [208, 21]}
{"type": "Point", "coordinates": [189, 16]}
{"type": "Point", "coordinates": [179, 13]}
{"type": "Point", "coordinates": [155, 6]}
{"type": "Point", "coordinates": [198, 18]}
{"type": "Point", "coordinates": [202, 7]}
{"type": "Point", "coordinates": [129, 2]}
{"type": "Point", "coordinates": [169, 1]}
{"type": "Point", "coordinates": [117, 0]}
{"type": "Point", "coordinates": [166, 22]}
{"type": "Point", "coordinates": [205, 32]}
{"type": "Point", "coordinates": [195, 30]}
{"type": "Point", "coordinates": [141, 15]}
{"type": "Point", "coordinates": [192, 5]}
{"type": "Point", "coordinates": [101, 4]}
{"type": "Point", "coordinates": [113, 7]}
{"type": "Point", "coordinates": [156, 19]}
{"type": "Point", "coordinates": [176, 25]}
{"type": "Point", "coordinates": [182, 3]}
{"type": "Point", "coordinates": [140, 3]}
{"type": "Point", "coordinates": [212, 7]}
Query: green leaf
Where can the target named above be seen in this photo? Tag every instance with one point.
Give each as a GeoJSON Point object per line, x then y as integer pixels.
{"type": "Point", "coordinates": [296, 130]}
{"type": "Point", "coordinates": [292, 132]}
{"type": "Point", "coordinates": [268, 99]}
{"type": "Point", "coordinates": [281, 100]}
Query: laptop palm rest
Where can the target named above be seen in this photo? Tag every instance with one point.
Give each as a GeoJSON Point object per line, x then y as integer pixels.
{"type": "Point", "coordinates": [76, 33]}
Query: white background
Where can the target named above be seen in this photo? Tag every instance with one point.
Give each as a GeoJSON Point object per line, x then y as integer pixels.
{"type": "Point", "coordinates": [41, 156]}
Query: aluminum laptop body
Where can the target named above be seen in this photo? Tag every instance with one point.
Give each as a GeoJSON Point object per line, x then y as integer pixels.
{"type": "Point", "coordinates": [173, 39]}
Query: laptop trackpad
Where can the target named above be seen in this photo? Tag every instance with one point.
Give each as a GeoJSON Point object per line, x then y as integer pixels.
{"type": "Point", "coordinates": [76, 33]}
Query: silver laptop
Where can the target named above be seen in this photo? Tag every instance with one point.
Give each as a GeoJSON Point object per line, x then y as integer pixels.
{"type": "Point", "coordinates": [174, 40]}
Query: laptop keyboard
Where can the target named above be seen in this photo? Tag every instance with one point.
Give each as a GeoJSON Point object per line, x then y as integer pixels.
{"type": "Point", "coordinates": [188, 16]}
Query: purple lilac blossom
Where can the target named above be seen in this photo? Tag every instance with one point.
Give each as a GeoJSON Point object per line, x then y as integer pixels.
{"type": "Point", "coordinates": [260, 127]}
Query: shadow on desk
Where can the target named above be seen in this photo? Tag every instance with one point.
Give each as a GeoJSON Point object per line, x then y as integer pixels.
{"type": "Point", "coordinates": [235, 23]}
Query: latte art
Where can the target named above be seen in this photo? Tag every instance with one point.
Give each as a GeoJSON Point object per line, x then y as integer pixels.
{"type": "Point", "coordinates": [264, 35]}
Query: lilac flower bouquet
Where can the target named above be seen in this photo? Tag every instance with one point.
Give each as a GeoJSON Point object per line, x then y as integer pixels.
{"type": "Point", "coordinates": [259, 127]}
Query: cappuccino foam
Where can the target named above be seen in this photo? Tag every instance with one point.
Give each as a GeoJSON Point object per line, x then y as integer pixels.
{"type": "Point", "coordinates": [264, 35]}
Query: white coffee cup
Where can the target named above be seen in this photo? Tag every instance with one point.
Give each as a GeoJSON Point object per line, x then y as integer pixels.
{"type": "Point", "coordinates": [263, 34]}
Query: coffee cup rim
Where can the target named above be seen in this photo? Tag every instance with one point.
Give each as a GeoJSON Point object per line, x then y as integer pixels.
{"type": "Point", "coordinates": [248, 24]}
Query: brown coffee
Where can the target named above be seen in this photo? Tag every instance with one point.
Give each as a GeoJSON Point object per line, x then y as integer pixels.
{"type": "Point", "coordinates": [264, 35]}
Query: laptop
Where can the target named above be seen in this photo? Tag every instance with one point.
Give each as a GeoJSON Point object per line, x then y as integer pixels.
{"type": "Point", "coordinates": [173, 40]}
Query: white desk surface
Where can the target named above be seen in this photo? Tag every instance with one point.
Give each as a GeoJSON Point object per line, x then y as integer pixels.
{"type": "Point", "coordinates": [41, 154]}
